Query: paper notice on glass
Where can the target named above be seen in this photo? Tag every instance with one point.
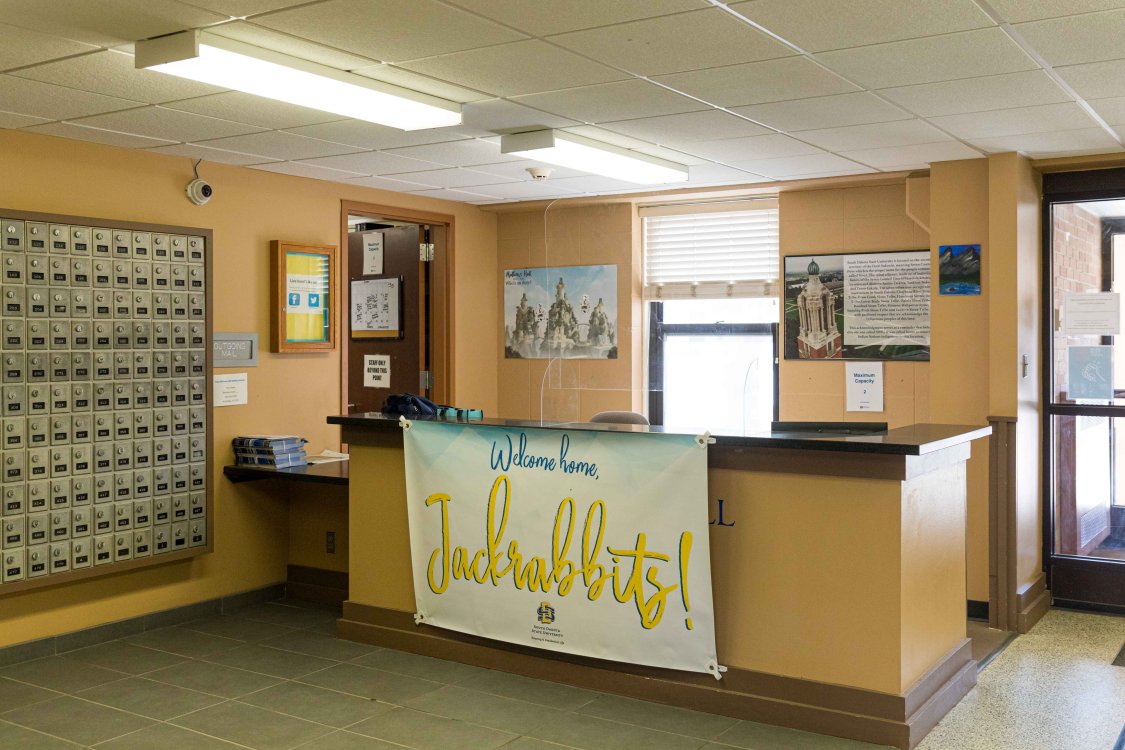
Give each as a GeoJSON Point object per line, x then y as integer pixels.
{"type": "Point", "coordinates": [376, 371]}
{"type": "Point", "coordinates": [1090, 372]}
{"type": "Point", "coordinates": [1091, 314]}
{"type": "Point", "coordinates": [230, 389]}
{"type": "Point", "coordinates": [372, 253]}
{"type": "Point", "coordinates": [864, 385]}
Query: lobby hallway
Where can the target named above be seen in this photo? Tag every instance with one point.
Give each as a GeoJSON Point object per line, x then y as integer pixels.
{"type": "Point", "coordinates": [272, 677]}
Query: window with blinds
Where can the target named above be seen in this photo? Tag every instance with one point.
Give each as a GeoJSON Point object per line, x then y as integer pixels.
{"type": "Point", "coordinates": [699, 252]}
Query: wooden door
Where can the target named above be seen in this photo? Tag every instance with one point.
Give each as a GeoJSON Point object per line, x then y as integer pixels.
{"type": "Point", "coordinates": [407, 354]}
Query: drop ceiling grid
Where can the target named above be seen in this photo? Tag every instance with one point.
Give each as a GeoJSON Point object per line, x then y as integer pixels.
{"type": "Point", "coordinates": [883, 114]}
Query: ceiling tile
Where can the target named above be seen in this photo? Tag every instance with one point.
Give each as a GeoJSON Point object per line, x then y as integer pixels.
{"type": "Point", "coordinates": [302, 169]}
{"type": "Point", "coordinates": [243, 8]}
{"type": "Point", "coordinates": [713, 173]}
{"type": "Point", "coordinates": [519, 68]}
{"type": "Point", "coordinates": [1098, 80]}
{"type": "Point", "coordinates": [453, 178]}
{"type": "Point", "coordinates": [706, 38]}
{"type": "Point", "coordinates": [756, 83]}
{"type": "Point", "coordinates": [457, 153]}
{"type": "Point", "coordinates": [54, 102]}
{"type": "Point", "coordinates": [836, 111]}
{"type": "Point", "coordinates": [274, 144]}
{"type": "Point", "coordinates": [461, 196]}
{"type": "Point", "coordinates": [253, 110]}
{"type": "Point", "coordinates": [911, 156]}
{"type": "Point", "coordinates": [194, 151]}
{"type": "Point", "coordinates": [1006, 122]}
{"type": "Point", "coordinates": [390, 30]}
{"type": "Point", "coordinates": [12, 120]}
{"type": "Point", "coordinates": [528, 190]}
{"type": "Point", "coordinates": [1014, 11]}
{"type": "Point", "coordinates": [250, 33]}
{"type": "Point", "coordinates": [677, 130]}
{"type": "Point", "coordinates": [389, 183]}
{"type": "Point", "coordinates": [503, 116]}
{"type": "Point", "coordinates": [799, 166]}
{"type": "Point", "coordinates": [541, 17]}
{"type": "Point", "coordinates": [594, 184]}
{"type": "Point", "coordinates": [25, 47]}
{"type": "Point", "coordinates": [373, 162]}
{"type": "Point", "coordinates": [978, 94]}
{"type": "Point", "coordinates": [370, 136]}
{"type": "Point", "coordinates": [878, 135]}
{"type": "Point", "coordinates": [621, 100]}
{"type": "Point", "coordinates": [756, 147]}
{"type": "Point", "coordinates": [1077, 39]}
{"type": "Point", "coordinates": [167, 124]}
{"type": "Point", "coordinates": [106, 23]}
{"type": "Point", "coordinates": [1059, 143]}
{"type": "Point", "coordinates": [517, 170]}
{"type": "Point", "coordinates": [861, 22]}
{"type": "Point", "coordinates": [97, 135]}
{"type": "Point", "coordinates": [1112, 110]}
{"type": "Point", "coordinates": [408, 79]}
{"type": "Point", "coordinates": [114, 74]}
{"type": "Point", "coordinates": [936, 58]}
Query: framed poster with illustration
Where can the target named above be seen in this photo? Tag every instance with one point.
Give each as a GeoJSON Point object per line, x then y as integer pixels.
{"type": "Point", "coordinates": [376, 308]}
{"type": "Point", "coordinates": [303, 289]}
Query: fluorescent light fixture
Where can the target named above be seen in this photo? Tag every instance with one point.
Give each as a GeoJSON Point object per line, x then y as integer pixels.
{"type": "Point", "coordinates": [202, 56]}
{"type": "Point", "coordinates": [586, 155]}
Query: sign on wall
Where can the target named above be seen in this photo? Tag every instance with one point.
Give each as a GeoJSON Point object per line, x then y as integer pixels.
{"type": "Point", "coordinates": [568, 313]}
{"type": "Point", "coordinates": [588, 543]}
{"type": "Point", "coordinates": [858, 306]}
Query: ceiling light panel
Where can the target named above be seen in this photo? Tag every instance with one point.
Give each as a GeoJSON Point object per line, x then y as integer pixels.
{"type": "Point", "coordinates": [586, 155]}
{"type": "Point", "coordinates": [203, 57]}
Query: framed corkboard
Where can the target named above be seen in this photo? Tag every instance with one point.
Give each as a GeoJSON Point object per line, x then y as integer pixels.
{"type": "Point", "coordinates": [303, 288]}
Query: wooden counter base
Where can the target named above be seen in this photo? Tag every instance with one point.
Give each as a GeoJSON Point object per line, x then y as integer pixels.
{"type": "Point", "coordinates": [897, 720]}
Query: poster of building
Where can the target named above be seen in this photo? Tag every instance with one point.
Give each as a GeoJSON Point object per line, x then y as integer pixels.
{"type": "Point", "coordinates": [566, 313]}
{"type": "Point", "coordinates": [858, 306]}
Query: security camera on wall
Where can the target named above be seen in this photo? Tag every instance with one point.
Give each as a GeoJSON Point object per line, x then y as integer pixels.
{"type": "Point", "coordinates": [199, 191]}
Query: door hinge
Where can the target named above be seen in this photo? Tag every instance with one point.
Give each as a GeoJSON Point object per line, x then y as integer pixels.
{"type": "Point", "coordinates": [426, 251]}
{"type": "Point", "coordinates": [425, 380]}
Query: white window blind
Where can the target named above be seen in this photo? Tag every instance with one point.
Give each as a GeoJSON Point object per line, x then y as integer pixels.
{"type": "Point", "coordinates": [711, 255]}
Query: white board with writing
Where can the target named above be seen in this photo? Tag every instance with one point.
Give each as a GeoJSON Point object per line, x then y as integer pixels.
{"type": "Point", "coordinates": [375, 305]}
{"type": "Point", "coordinates": [231, 389]}
{"type": "Point", "coordinates": [376, 371]}
{"type": "Point", "coordinates": [864, 385]}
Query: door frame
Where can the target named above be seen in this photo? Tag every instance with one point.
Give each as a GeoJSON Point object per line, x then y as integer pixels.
{"type": "Point", "coordinates": [441, 294]}
{"type": "Point", "coordinates": [1073, 581]}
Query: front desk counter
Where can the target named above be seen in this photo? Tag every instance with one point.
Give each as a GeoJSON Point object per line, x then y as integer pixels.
{"type": "Point", "coordinates": [838, 569]}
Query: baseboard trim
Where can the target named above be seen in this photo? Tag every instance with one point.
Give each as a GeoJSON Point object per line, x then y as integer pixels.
{"type": "Point", "coordinates": [897, 720]}
{"type": "Point", "coordinates": [317, 585]}
{"type": "Point", "coordinates": [1032, 602]}
{"type": "Point", "coordinates": [92, 636]}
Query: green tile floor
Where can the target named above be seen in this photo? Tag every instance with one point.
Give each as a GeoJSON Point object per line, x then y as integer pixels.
{"type": "Point", "coordinates": [272, 677]}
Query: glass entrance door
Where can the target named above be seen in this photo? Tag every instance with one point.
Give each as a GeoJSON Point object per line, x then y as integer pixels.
{"type": "Point", "coordinates": [1084, 394]}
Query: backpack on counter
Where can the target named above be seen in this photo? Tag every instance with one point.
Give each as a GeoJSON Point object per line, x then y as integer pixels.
{"type": "Point", "coordinates": [410, 405]}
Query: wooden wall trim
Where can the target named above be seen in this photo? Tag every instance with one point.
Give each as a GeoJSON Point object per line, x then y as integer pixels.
{"type": "Point", "coordinates": [1032, 602]}
{"type": "Point", "coordinates": [316, 584]}
{"type": "Point", "coordinates": [897, 720]}
{"type": "Point", "coordinates": [1002, 605]}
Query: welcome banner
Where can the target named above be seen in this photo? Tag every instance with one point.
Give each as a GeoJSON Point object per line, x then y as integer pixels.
{"type": "Point", "coordinates": [588, 543]}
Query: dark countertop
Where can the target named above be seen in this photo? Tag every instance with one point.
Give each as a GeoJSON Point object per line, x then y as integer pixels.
{"type": "Point", "coordinates": [914, 440]}
{"type": "Point", "coordinates": [333, 472]}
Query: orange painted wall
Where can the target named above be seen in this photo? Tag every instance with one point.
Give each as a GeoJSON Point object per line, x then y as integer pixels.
{"type": "Point", "coordinates": [594, 234]}
{"type": "Point", "coordinates": [252, 530]}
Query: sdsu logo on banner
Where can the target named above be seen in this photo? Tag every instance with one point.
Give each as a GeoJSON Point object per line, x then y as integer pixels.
{"type": "Point", "coordinates": [585, 542]}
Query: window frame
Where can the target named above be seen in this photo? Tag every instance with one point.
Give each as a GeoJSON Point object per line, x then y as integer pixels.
{"type": "Point", "coordinates": [659, 330]}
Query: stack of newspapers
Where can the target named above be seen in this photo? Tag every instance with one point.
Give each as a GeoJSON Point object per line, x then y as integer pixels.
{"type": "Point", "coordinates": [279, 451]}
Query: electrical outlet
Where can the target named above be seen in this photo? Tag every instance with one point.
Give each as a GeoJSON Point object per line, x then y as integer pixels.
{"type": "Point", "coordinates": [330, 543]}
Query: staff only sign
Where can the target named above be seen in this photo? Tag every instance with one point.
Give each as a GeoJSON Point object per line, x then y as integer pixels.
{"type": "Point", "coordinates": [588, 543]}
